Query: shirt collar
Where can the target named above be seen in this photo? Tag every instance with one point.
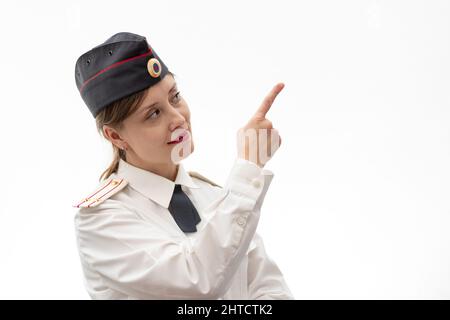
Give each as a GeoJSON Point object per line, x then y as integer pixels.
{"type": "Point", "coordinates": [152, 185]}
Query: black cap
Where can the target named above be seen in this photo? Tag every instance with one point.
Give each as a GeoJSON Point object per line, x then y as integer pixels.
{"type": "Point", "coordinates": [122, 65]}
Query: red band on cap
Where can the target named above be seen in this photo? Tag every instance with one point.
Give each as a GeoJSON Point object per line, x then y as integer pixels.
{"type": "Point", "coordinates": [113, 66]}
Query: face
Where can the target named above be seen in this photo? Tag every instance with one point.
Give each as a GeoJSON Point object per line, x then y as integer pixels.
{"type": "Point", "coordinates": [161, 118]}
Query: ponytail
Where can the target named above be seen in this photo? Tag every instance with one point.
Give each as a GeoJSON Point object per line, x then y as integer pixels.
{"type": "Point", "coordinates": [117, 155]}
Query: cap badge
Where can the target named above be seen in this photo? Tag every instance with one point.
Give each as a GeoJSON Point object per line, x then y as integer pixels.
{"type": "Point", "coordinates": [154, 67]}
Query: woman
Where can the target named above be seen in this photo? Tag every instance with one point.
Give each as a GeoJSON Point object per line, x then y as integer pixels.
{"type": "Point", "coordinates": [151, 230]}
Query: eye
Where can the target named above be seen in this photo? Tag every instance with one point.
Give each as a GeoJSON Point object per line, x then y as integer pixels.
{"type": "Point", "coordinates": [178, 97]}
{"type": "Point", "coordinates": [156, 112]}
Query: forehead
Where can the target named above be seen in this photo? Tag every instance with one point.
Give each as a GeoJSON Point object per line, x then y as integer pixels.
{"type": "Point", "coordinates": [157, 93]}
{"type": "Point", "coordinates": [160, 89]}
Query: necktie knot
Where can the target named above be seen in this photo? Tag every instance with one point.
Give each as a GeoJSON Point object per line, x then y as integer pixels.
{"type": "Point", "coordinates": [183, 211]}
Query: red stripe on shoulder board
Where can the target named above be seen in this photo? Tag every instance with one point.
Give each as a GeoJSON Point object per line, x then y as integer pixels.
{"type": "Point", "coordinates": [113, 66]}
{"type": "Point", "coordinates": [89, 197]}
{"type": "Point", "coordinates": [117, 185]}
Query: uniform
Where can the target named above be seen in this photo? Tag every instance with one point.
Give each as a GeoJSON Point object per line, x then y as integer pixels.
{"type": "Point", "coordinates": [142, 236]}
{"type": "Point", "coordinates": [131, 248]}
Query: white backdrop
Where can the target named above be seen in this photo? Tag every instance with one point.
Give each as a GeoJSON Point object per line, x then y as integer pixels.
{"type": "Point", "coordinates": [359, 205]}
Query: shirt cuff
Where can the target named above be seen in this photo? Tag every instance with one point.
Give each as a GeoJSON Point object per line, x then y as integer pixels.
{"type": "Point", "coordinates": [248, 180]}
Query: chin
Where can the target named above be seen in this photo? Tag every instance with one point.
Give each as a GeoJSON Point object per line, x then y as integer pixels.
{"type": "Point", "coordinates": [176, 158]}
{"type": "Point", "coordinates": [190, 152]}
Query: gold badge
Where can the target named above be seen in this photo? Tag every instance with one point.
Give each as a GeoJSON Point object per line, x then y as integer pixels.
{"type": "Point", "coordinates": [154, 67]}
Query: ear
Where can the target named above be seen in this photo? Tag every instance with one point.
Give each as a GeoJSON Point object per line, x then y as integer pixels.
{"type": "Point", "coordinates": [114, 136]}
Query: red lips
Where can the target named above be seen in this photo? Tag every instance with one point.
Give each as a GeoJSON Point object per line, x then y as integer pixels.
{"type": "Point", "coordinates": [180, 138]}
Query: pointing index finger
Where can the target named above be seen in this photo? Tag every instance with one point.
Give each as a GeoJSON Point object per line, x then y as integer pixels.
{"type": "Point", "coordinates": [268, 100]}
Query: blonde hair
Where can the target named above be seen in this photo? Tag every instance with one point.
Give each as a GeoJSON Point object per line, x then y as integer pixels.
{"type": "Point", "coordinates": [113, 115]}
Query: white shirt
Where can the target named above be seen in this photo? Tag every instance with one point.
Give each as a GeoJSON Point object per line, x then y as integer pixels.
{"type": "Point", "coordinates": [131, 247]}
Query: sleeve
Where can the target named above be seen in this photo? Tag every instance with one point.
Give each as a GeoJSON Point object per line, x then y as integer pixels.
{"type": "Point", "coordinates": [265, 280]}
{"type": "Point", "coordinates": [134, 257]}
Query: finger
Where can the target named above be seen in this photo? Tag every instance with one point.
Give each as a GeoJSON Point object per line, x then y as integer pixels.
{"type": "Point", "coordinates": [268, 100]}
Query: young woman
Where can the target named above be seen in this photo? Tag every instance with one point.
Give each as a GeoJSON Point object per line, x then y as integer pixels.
{"type": "Point", "coordinates": [152, 230]}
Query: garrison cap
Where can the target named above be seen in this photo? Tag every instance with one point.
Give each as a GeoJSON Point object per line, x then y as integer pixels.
{"type": "Point", "coordinates": [122, 65]}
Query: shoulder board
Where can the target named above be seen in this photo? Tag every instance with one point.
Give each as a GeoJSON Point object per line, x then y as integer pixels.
{"type": "Point", "coordinates": [106, 189]}
{"type": "Point", "coordinates": [199, 176]}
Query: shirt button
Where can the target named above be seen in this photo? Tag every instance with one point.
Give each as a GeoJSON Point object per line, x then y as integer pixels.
{"type": "Point", "coordinates": [256, 183]}
{"type": "Point", "coordinates": [241, 221]}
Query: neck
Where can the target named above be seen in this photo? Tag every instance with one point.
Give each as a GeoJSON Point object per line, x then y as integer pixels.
{"type": "Point", "coordinates": [166, 170]}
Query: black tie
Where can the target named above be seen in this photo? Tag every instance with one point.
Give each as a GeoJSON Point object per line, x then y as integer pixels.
{"type": "Point", "coordinates": [183, 211]}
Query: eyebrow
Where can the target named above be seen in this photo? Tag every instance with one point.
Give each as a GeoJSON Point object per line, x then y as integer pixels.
{"type": "Point", "coordinates": [153, 104]}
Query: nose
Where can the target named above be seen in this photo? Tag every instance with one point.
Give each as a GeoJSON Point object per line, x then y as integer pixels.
{"type": "Point", "coordinates": [177, 120]}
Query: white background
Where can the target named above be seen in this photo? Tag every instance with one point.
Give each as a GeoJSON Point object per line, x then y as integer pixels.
{"type": "Point", "coordinates": [359, 205]}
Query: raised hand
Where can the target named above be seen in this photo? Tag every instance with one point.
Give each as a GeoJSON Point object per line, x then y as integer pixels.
{"type": "Point", "coordinates": [258, 140]}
